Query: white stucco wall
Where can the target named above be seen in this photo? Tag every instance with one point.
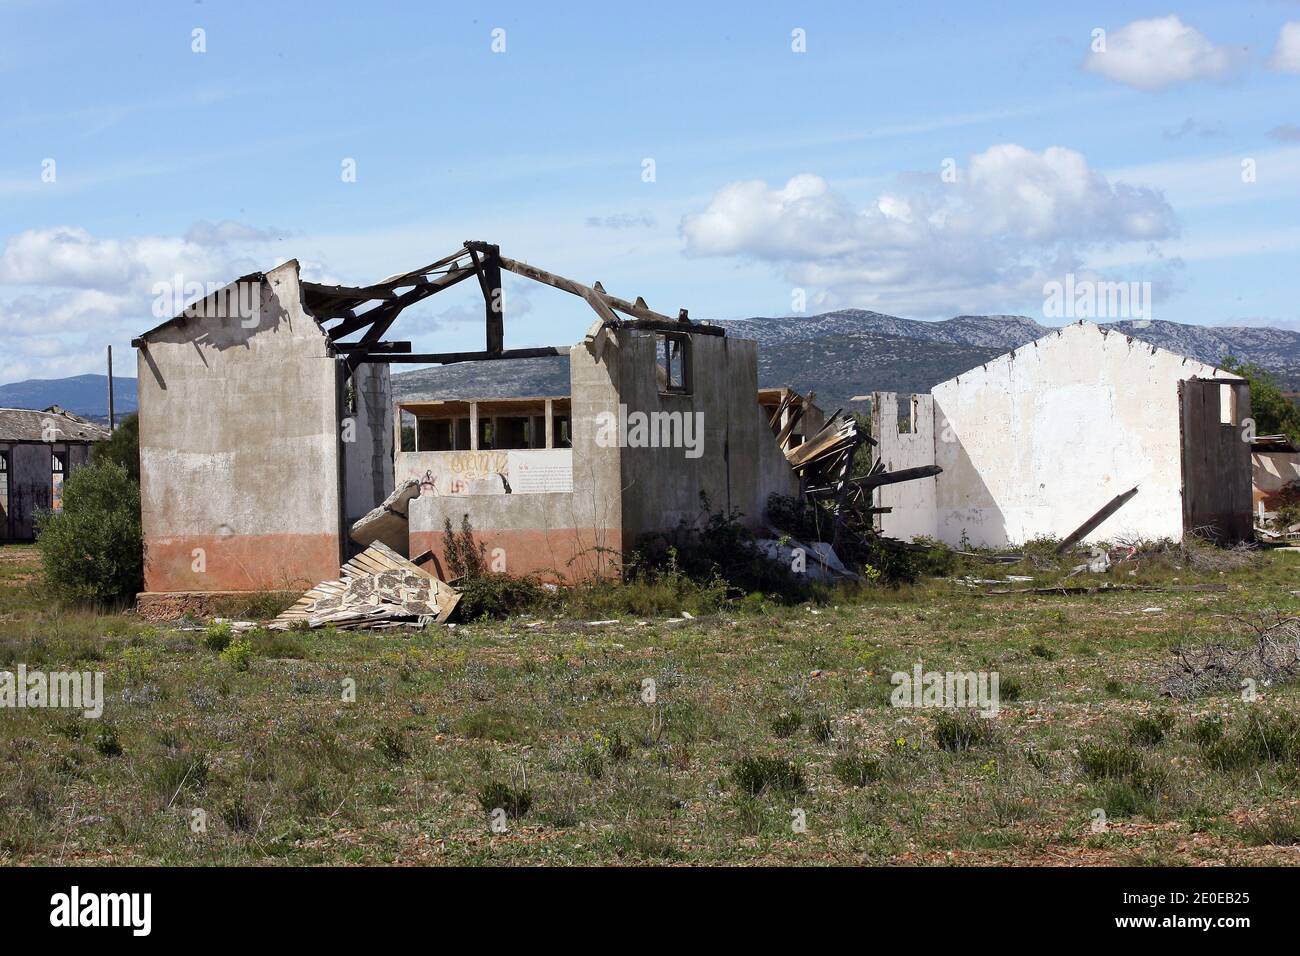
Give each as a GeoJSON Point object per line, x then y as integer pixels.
{"type": "Point", "coordinates": [914, 510]}
{"type": "Point", "coordinates": [1036, 441]}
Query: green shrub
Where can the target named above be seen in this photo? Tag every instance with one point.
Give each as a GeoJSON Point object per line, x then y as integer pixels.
{"type": "Point", "coordinates": [756, 775]}
{"type": "Point", "coordinates": [640, 844]}
{"type": "Point", "coordinates": [618, 749]}
{"type": "Point", "coordinates": [390, 742]}
{"type": "Point", "coordinates": [715, 545]}
{"type": "Point", "coordinates": [122, 447]}
{"type": "Point", "coordinates": [106, 742]}
{"type": "Point", "coordinates": [496, 795]}
{"type": "Point", "coordinates": [1256, 739]}
{"type": "Point", "coordinates": [1148, 730]}
{"type": "Point", "coordinates": [956, 731]}
{"type": "Point", "coordinates": [238, 654]}
{"type": "Point", "coordinates": [823, 730]}
{"type": "Point", "coordinates": [497, 595]}
{"type": "Point", "coordinates": [855, 769]}
{"type": "Point", "coordinates": [591, 757]}
{"type": "Point", "coordinates": [236, 814]}
{"type": "Point", "coordinates": [91, 551]}
{"type": "Point", "coordinates": [1103, 761]}
{"type": "Point", "coordinates": [1009, 688]}
{"type": "Point", "coordinates": [276, 645]}
{"type": "Point", "coordinates": [786, 723]}
{"type": "Point", "coordinates": [218, 635]}
{"type": "Point", "coordinates": [1205, 730]}
{"type": "Point", "coordinates": [1274, 828]}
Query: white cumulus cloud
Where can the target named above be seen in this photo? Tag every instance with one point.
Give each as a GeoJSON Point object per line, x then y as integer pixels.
{"type": "Point", "coordinates": [65, 293]}
{"type": "Point", "coordinates": [1160, 52]}
{"type": "Point", "coordinates": [1286, 55]}
{"type": "Point", "coordinates": [1013, 218]}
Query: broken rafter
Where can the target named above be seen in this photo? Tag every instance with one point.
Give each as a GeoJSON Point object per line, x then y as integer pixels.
{"type": "Point", "coordinates": [601, 301]}
{"type": "Point", "coordinates": [488, 269]}
{"type": "Point", "coordinates": [378, 348]}
{"type": "Point", "coordinates": [447, 358]}
{"type": "Point", "coordinates": [1092, 523]}
{"type": "Point", "coordinates": [383, 315]}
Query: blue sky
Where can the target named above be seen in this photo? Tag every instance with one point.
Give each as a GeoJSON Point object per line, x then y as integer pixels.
{"type": "Point", "coordinates": [774, 170]}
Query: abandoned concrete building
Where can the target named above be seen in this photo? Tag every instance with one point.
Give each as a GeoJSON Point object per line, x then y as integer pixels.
{"type": "Point", "coordinates": [1035, 441]}
{"type": "Point", "coordinates": [265, 435]}
{"type": "Point", "coordinates": [39, 450]}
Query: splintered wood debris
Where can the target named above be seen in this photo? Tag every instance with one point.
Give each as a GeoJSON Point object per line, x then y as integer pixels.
{"type": "Point", "coordinates": [378, 589]}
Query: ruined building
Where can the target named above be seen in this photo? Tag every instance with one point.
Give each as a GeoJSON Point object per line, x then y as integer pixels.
{"type": "Point", "coordinates": [39, 450]}
{"type": "Point", "coordinates": [1035, 441]}
{"type": "Point", "coordinates": [267, 431]}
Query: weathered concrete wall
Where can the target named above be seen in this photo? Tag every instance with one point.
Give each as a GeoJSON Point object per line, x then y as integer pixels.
{"type": "Point", "coordinates": [525, 470]}
{"type": "Point", "coordinates": [620, 493]}
{"type": "Point", "coordinates": [563, 537]}
{"type": "Point", "coordinates": [544, 535]}
{"type": "Point", "coordinates": [663, 485]}
{"type": "Point", "coordinates": [239, 448]}
{"type": "Point", "coordinates": [368, 459]}
{"type": "Point", "coordinates": [1036, 441]}
{"type": "Point", "coordinates": [774, 475]}
{"type": "Point", "coordinates": [915, 511]}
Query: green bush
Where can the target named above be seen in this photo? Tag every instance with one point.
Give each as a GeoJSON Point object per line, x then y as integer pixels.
{"type": "Point", "coordinates": [1102, 761]}
{"type": "Point", "coordinates": [755, 775]}
{"type": "Point", "coordinates": [855, 769]}
{"type": "Point", "coordinates": [497, 595]}
{"type": "Point", "coordinates": [123, 447]}
{"type": "Point", "coordinates": [495, 795]}
{"type": "Point", "coordinates": [714, 546]}
{"type": "Point", "coordinates": [1149, 730]}
{"type": "Point", "coordinates": [1254, 740]}
{"type": "Point", "coordinates": [786, 723]}
{"type": "Point", "coordinates": [238, 654]}
{"type": "Point", "coordinates": [390, 742]}
{"type": "Point", "coordinates": [956, 731]}
{"type": "Point", "coordinates": [91, 551]}
{"type": "Point", "coordinates": [218, 636]}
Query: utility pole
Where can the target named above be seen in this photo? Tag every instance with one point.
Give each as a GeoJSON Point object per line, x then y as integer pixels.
{"type": "Point", "coordinates": [110, 388]}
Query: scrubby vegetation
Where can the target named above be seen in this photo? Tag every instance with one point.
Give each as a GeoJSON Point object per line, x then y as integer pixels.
{"type": "Point", "coordinates": [91, 551]}
{"type": "Point", "coordinates": [609, 726]}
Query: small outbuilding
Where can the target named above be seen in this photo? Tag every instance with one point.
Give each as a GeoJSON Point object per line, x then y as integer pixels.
{"type": "Point", "coordinates": [39, 450]}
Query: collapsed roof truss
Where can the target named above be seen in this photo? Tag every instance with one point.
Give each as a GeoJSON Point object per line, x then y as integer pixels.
{"type": "Point", "coordinates": [372, 310]}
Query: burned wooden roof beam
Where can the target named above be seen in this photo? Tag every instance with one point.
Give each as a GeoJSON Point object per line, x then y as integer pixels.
{"type": "Point", "coordinates": [447, 358]}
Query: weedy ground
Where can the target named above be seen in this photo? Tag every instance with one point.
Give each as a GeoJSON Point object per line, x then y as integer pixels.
{"type": "Point", "coordinates": [766, 721]}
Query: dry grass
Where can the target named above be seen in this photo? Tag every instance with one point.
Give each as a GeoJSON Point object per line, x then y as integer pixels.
{"type": "Point", "coordinates": [552, 722]}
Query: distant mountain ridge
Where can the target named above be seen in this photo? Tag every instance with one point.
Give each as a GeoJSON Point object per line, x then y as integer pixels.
{"type": "Point", "coordinates": [1275, 349]}
{"type": "Point", "coordinates": [82, 394]}
{"type": "Point", "coordinates": [853, 351]}
{"type": "Point", "coordinates": [838, 354]}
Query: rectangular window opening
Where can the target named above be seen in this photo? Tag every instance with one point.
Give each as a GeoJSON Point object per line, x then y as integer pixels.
{"type": "Point", "coordinates": [1227, 405]}
{"type": "Point", "coordinates": [672, 362]}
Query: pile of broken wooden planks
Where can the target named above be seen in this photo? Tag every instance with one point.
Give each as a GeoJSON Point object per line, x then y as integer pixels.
{"type": "Point", "coordinates": [377, 589]}
{"type": "Point", "coordinates": [827, 457]}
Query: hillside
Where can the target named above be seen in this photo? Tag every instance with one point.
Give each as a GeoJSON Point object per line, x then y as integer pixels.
{"type": "Point", "coordinates": [838, 354]}
{"type": "Point", "coordinates": [853, 351]}
{"type": "Point", "coordinates": [82, 394]}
